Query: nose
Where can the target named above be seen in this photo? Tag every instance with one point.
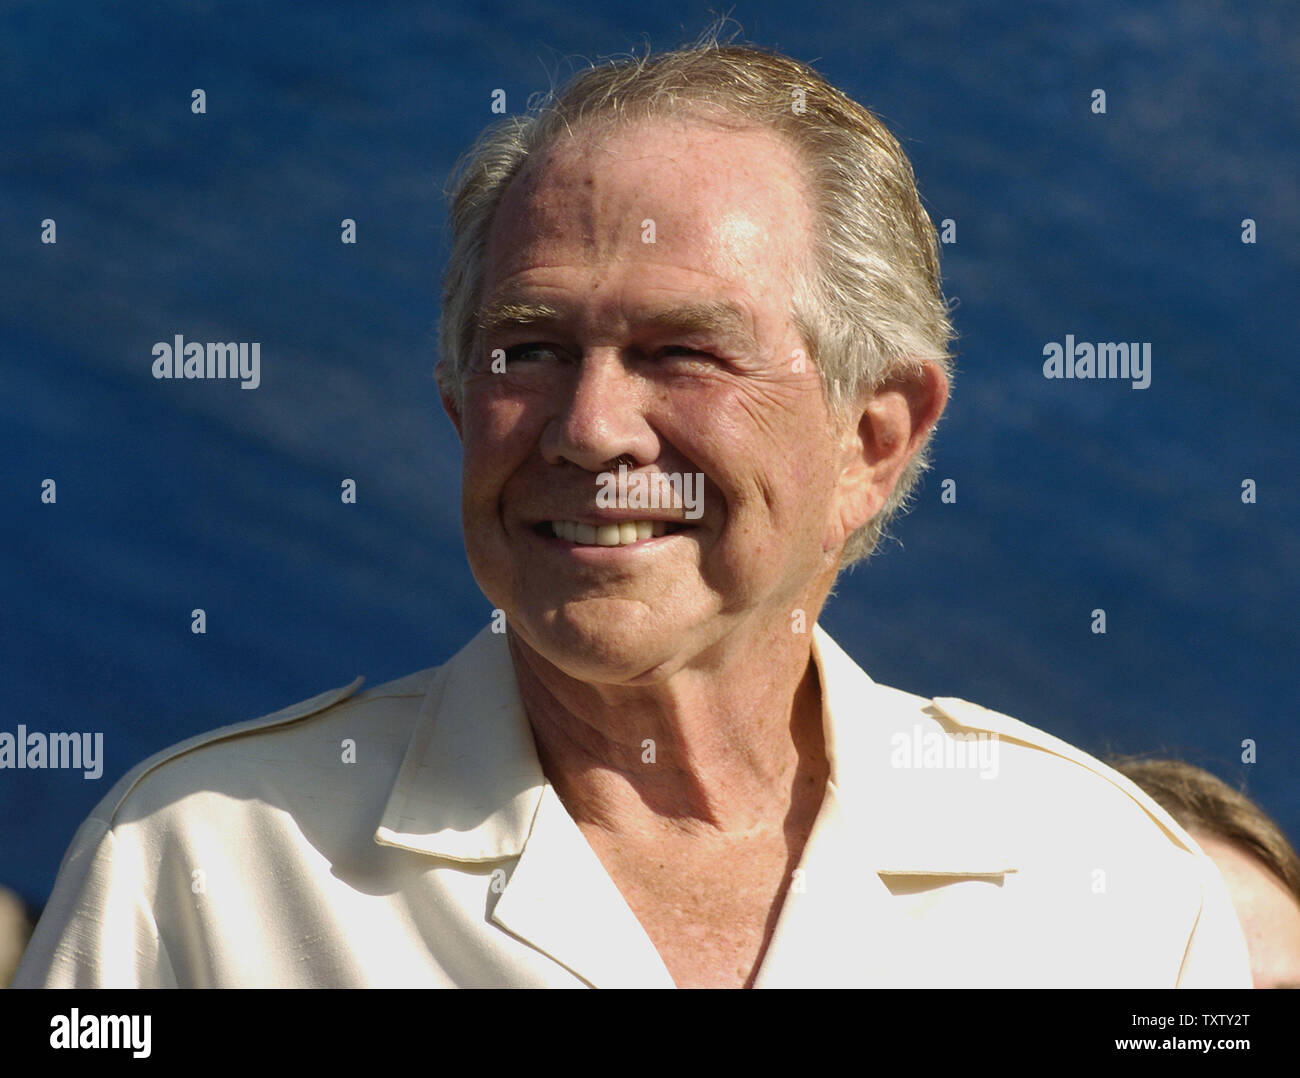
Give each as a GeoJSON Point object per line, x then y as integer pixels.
{"type": "Point", "coordinates": [601, 419]}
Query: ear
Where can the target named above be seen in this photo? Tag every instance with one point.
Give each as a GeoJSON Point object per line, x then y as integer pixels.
{"type": "Point", "coordinates": [453, 412]}
{"type": "Point", "coordinates": [888, 426]}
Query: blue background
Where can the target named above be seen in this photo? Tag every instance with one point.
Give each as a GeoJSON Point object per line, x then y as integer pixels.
{"type": "Point", "coordinates": [1071, 495]}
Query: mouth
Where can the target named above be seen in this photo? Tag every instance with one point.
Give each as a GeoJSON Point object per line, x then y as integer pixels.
{"type": "Point", "coordinates": [624, 533]}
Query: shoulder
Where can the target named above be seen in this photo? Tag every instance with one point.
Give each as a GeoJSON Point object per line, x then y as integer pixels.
{"type": "Point", "coordinates": [1086, 859]}
{"type": "Point", "coordinates": [1145, 874]}
{"type": "Point", "coordinates": [1084, 855]}
{"type": "Point", "coordinates": [287, 746]}
{"type": "Point", "coordinates": [1059, 771]}
{"type": "Point", "coordinates": [1047, 801]}
{"type": "Point", "coordinates": [239, 809]}
{"type": "Point", "coordinates": [944, 754]}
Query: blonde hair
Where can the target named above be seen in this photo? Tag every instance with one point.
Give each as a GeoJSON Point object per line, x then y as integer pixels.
{"type": "Point", "coordinates": [869, 305]}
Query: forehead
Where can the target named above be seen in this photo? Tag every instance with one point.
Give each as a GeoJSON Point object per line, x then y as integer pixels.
{"type": "Point", "coordinates": [684, 196]}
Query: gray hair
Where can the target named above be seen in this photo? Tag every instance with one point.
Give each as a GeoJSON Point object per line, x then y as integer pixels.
{"type": "Point", "coordinates": [869, 305]}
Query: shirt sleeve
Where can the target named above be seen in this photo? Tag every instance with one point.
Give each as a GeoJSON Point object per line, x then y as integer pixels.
{"type": "Point", "coordinates": [1217, 956]}
{"type": "Point", "coordinates": [98, 930]}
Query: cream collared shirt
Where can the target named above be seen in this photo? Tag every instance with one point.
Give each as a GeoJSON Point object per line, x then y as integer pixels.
{"type": "Point", "coordinates": [406, 836]}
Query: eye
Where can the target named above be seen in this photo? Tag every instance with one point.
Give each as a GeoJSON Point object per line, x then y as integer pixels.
{"type": "Point", "coordinates": [679, 350]}
{"type": "Point", "coordinates": [532, 352]}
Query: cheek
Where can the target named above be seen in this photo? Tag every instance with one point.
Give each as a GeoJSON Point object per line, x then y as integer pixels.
{"type": "Point", "coordinates": [492, 417]}
{"type": "Point", "coordinates": [497, 434]}
{"type": "Point", "coordinates": [778, 439]}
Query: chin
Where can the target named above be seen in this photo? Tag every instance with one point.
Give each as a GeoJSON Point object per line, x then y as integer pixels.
{"type": "Point", "coordinates": [599, 645]}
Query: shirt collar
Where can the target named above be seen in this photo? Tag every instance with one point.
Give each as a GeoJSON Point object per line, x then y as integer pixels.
{"type": "Point", "coordinates": [470, 786]}
{"type": "Point", "coordinates": [907, 815]}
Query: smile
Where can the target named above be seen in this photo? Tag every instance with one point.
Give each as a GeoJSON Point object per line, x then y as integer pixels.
{"type": "Point", "coordinates": [621, 534]}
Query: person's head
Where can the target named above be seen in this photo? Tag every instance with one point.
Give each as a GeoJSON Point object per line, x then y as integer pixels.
{"type": "Point", "coordinates": [705, 262]}
{"type": "Point", "coordinates": [1259, 865]}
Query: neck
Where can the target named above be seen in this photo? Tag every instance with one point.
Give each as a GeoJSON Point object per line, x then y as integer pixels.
{"type": "Point", "coordinates": [732, 743]}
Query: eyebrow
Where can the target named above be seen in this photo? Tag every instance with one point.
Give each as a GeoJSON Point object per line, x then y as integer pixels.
{"type": "Point", "coordinates": [507, 315]}
{"type": "Point", "coordinates": [712, 316]}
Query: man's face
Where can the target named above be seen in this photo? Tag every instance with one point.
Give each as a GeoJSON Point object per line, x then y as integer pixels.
{"type": "Point", "coordinates": [639, 284]}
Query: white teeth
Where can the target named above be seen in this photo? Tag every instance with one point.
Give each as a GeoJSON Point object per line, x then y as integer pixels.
{"type": "Point", "coordinates": [623, 534]}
